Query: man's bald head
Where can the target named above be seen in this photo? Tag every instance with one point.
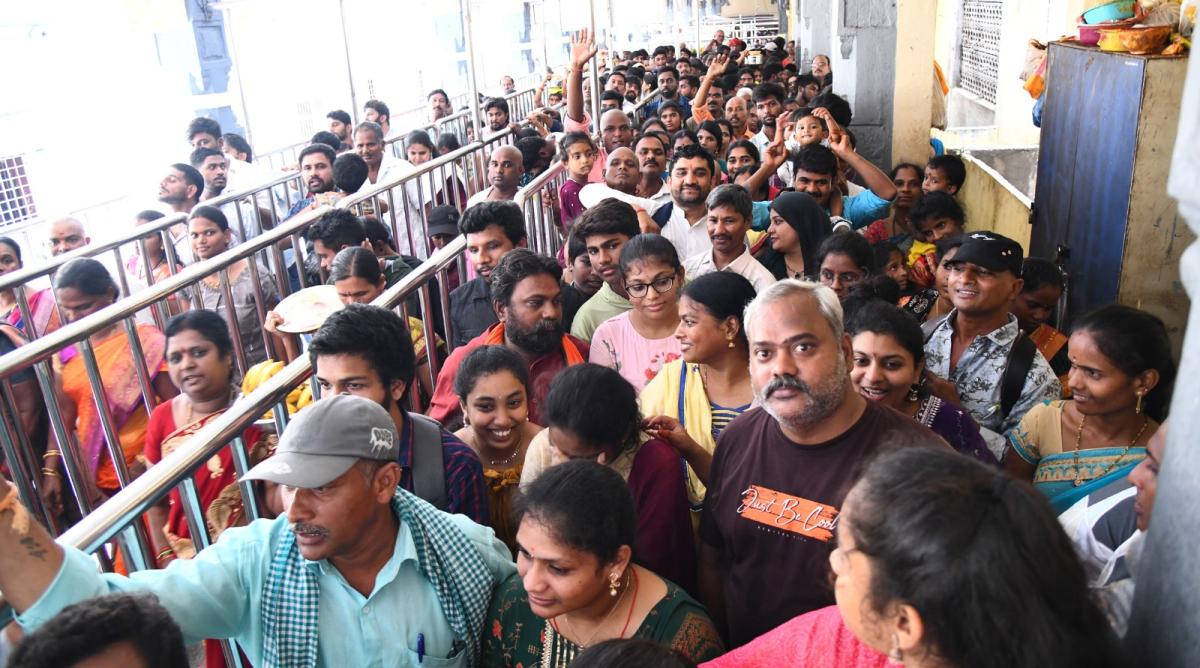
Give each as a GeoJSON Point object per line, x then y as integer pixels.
{"type": "Point", "coordinates": [67, 234]}
{"type": "Point", "coordinates": [505, 169]}
{"type": "Point", "coordinates": [615, 130]}
{"type": "Point", "coordinates": [621, 171]}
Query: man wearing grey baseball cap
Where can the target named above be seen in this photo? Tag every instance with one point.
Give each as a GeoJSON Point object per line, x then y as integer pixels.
{"type": "Point", "coordinates": [976, 356]}
{"type": "Point", "coordinates": [356, 572]}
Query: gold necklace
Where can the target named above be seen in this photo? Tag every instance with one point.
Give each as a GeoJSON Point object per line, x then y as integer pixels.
{"type": "Point", "coordinates": [600, 626]}
{"type": "Point", "coordinates": [1079, 439]}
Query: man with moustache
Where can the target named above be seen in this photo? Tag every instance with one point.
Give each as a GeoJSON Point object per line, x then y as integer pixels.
{"type": "Point", "coordinates": [340, 125]}
{"type": "Point", "coordinates": [491, 229]}
{"type": "Point", "coordinates": [768, 104]}
{"type": "Point", "coordinates": [527, 297]}
{"type": "Point", "coordinates": [729, 212]}
{"type": "Point", "coordinates": [382, 166]}
{"type": "Point", "coordinates": [181, 189]}
{"type": "Point", "coordinates": [682, 220]}
{"type": "Point", "coordinates": [356, 572]}
{"type": "Point", "coordinates": [316, 166]}
{"type": "Point", "coordinates": [782, 469]}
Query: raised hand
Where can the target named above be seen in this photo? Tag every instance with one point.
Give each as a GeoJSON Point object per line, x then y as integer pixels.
{"type": "Point", "coordinates": [839, 140]}
{"type": "Point", "coordinates": [776, 153]}
{"type": "Point", "coordinates": [582, 49]}
{"type": "Point", "coordinates": [717, 67]}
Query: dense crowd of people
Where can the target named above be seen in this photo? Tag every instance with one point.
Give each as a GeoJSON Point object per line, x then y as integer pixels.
{"type": "Point", "coordinates": [771, 404]}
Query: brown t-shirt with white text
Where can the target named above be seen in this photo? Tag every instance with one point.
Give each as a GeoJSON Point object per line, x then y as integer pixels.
{"type": "Point", "coordinates": [772, 509]}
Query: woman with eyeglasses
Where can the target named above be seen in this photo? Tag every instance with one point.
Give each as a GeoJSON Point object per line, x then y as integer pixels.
{"type": "Point", "coordinates": [638, 342]}
{"type": "Point", "coordinates": [591, 412]}
{"type": "Point", "coordinates": [844, 260]}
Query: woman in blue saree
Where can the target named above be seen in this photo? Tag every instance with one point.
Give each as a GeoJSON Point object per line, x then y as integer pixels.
{"type": "Point", "coordinates": [1120, 378]}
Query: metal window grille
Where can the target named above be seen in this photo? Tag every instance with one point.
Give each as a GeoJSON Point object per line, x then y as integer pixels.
{"type": "Point", "coordinates": [16, 199]}
{"type": "Point", "coordinates": [979, 47]}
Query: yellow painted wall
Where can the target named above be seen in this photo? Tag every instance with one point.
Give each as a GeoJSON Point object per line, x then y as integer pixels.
{"type": "Point", "coordinates": [990, 205]}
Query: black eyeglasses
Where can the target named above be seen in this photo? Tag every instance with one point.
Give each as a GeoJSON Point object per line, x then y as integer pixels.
{"type": "Point", "coordinates": [661, 285]}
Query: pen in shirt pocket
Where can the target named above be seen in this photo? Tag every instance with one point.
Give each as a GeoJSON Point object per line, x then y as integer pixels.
{"type": "Point", "coordinates": [420, 648]}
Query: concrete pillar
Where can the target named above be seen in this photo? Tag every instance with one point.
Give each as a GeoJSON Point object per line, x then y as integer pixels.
{"type": "Point", "coordinates": [912, 89]}
{"type": "Point", "coordinates": [1166, 607]}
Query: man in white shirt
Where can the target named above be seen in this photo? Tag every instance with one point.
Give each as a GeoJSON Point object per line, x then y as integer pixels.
{"type": "Point", "coordinates": [729, 212]}
{"type": "Point", "coordinates": [693, 173]}
{"type": "Point", "coordinates": [505, 168]}
{"type": "Point", "coordinates": [382, 166]}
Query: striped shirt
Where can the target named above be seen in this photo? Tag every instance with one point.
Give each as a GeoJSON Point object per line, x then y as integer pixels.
{"type": "Point", "coordinates": [466, 489]}
{"type": "Point", "coordinates": [722, 416]}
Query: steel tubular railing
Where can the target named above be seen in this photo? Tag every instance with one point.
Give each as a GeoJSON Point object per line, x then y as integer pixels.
{"type": "Point", "coordinates": [639, 110]}
{"type": "Point", "coordinates": [160, 228]}
{"type": "Point", "coordinates": [539, 204]}
{"type": "Point", "coordinates": [38, 352]}
{"type": "Point", "coordinates": [120, 512]}
{"type": "Point", "coordinates": [408, 197]}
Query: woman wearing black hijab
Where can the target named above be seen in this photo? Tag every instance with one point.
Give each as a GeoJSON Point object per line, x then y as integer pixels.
{"type": "Point", "coordinates": [798, 226]}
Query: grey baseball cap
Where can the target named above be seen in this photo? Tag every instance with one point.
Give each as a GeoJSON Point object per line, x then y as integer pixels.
{"type": "Point", "coordinates": [324, 440]}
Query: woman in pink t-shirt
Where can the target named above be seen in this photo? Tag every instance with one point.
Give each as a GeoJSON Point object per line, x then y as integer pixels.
{"type": "Point", "coordinates": [640, 341]}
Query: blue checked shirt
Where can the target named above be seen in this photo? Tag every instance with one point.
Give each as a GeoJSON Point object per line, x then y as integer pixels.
{"type": "Point", "coordinates": [219, 593]}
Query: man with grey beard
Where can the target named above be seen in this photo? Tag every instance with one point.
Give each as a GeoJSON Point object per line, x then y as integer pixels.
{"type": "Point", "coordinates": [781, 471]}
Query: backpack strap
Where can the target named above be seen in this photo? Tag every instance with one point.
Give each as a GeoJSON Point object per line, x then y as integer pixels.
{"type": "Point", "coordinates": [1020, 362]}
{"type": "Point", "coordinates": [429, 469]}
{"type": "Point", "coordinates": [928, 327]}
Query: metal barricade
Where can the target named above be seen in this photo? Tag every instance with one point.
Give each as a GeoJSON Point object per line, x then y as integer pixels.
{"type": "Point", "coordinates": [410, 197]}
{"type": "Point", "coordinates": [281, 158]}
{"type": "Point", "coordinates": [539, 203]}
{"type": "Point", "coordinates": [639, 114]}
{"type": "Point", "coordinates": [109, 253]}
{"type": "Point", "coordinates": [14, 442]}
{"type": "Point", "coordinates": [252, 210]}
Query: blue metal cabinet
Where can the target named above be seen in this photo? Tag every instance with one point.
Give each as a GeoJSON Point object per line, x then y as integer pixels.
{"type": "Point", "coordinates": [1108, 126]}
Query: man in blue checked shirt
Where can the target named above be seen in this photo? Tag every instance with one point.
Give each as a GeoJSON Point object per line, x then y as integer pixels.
{"type": "Point", "coordinates": [357, 572]}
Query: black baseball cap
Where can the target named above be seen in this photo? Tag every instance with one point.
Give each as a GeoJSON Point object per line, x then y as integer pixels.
{"type": "Point", "coordinates": [994, 252]}
{"type": "Point", "coordinates": [443, 220]}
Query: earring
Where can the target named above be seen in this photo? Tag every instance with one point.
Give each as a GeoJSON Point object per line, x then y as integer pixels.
{"type": "Point", "coordinates": [895, 655]}
{"type": "Point", "coordinates": [913, 392]}
{"type": "Point", "coordinates": [1138, 407]}
{"type": "Point", "coordinates": [730, 342]}
{"type": "Point", "coordinates": [613, 582]}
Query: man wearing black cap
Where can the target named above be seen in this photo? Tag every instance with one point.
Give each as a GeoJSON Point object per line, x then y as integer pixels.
{"type": "Point", "coordinates": [443, 227]}
{"type": "Point", "coordinates": [988, 367]}
{"type": "Point", "coordinates": [356, 572]}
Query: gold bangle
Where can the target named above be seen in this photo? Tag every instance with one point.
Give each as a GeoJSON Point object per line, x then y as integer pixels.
{"type": "Point", "coordinates": [51, 453]}
{"type": "Point", "coordinates": [49, 471]}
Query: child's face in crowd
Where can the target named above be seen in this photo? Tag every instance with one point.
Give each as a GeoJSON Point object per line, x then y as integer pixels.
{"type": "Point", "coordinates": [580, 158]}
{"type": "Point", "coordinates": [935, 180]}
{"type": "Point", "coordinates": [810, 130]}
{"type": "Point", "coordinates": [896, 269]}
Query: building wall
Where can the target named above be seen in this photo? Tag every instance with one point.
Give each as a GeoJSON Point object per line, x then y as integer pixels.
{"type": "Point", "coordinates": [991, 204]}
{"type": "Point", "coordinates": [1009, 122]}
{"type": "Point", "coordinates": [912, 90]}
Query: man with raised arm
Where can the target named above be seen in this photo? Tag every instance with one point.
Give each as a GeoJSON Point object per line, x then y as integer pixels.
{"type": "Point", "coordinates": [615, 130]}
{"type": "Point", "coordinates": [356, 572]}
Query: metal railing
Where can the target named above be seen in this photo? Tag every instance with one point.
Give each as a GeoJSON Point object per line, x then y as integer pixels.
{"type": "Point", "coordinates": [639, 114]}
{"type": "Point", "coordinates": [160, 229]}
{"type": "Point", "coordinates": [442, 180]}
{"type": "Point", "coordinates": [118, 517]}
{"type": "Point", "coordinates": [17, 449]}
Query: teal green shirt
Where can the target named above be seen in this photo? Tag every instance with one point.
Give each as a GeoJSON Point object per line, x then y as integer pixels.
{"type": "Point", "coordinates": [218, 594]}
